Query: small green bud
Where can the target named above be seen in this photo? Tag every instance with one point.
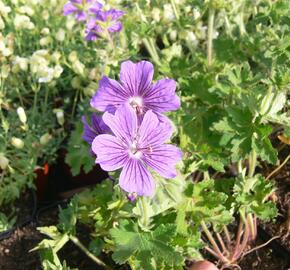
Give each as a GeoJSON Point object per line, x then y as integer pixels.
{"type": "Point", "coordinates": [45, 138]}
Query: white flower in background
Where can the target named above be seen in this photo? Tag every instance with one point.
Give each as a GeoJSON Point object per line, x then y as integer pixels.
{"type": "Point", "coordinates": [57, 71]}
{"type": "Point", "coordinates": [23, 22]}
{"type": "Point", "coordinates": [26, 10]}
{"type": "Point", "coordinates": [46, 75]}
{"type": "Point", "coordinates": [168, 12]}
{"type": "Point", "coordinates": [20, 63]}
{"type": "Point", "coordinates": [202, 31]}
{"type": "Point", "coordinates": [215, 34]}
{"type": "Point", "coordinates": [60, 35]}
{"type": "Point", "coordinates": [156, 14]}
{"type": "Point", "coordinates": [187, 9]}
{"type": "Point", "coordinates": [4, 10]}
{"type": "Point", "coordinates": [196, 14]}
{"type": "Point", "coordinates": [191, 38]}
{"type": "Point", "coordinates": [22, 115]}
{"type": "Point", "coordinates": [39, 61]}
{"type": "Point", "coordinates": [3, 161]}
{"type": "Point", "coordinates": [55, 57]}
{"type": "Point", "coordinates": [16, 142]}
{"type": "Point", "coordinates": [70, 22]}
{"type": "Point", "coordinates": [173, 35]}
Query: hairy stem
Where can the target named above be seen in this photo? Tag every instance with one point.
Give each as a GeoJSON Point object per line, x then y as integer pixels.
{"type": "Point", "coordinates": [252, 163]}
{"type": "Point", "coordinates": [238, 239]}
{"type": "Point", "coordinates": [149, 44]}
{"type": "Point", "coordinates": [213, 242]}
{"type": "Point", "coordinates": [77, 242]}
{"type": "Point", "coordinates": [210, 29]}
{"type": "Point", "coordinates": [228, 237]}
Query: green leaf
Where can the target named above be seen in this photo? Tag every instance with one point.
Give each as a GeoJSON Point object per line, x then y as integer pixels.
{"type": "Point", "coordinates": [130, 242]}
{"type": "Point", "coordinates": [251, 195]}
{"type": "Point", "coordinates": [78, 155]}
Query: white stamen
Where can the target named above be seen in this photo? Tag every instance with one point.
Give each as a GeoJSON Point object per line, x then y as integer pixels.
{"type": "Point", "coordinates": [136, 103]}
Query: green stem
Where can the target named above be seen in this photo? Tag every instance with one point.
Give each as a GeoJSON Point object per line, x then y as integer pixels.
{"type": "Point", "coordinates": [240, 166]}
{"type": "Point", "coordinates": [210, 30]}
{"type": "Point", "coordinates": [174, 9]}
{"type": "Point", "coordinates": [252, 163]}
{"type": "Point", "coordinates": [74, 103]}
{"type": "Point", "coordinates": [149, 44]}
{"type": "Point", "coordinates": [144, 211]}
{"type": "Point", "coordinates": [77, 242]}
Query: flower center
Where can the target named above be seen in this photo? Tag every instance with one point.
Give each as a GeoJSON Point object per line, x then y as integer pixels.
{"type": "Point", "coordinates": [134, 151]}
{"type": "Point", "coordinates": [136, 103]}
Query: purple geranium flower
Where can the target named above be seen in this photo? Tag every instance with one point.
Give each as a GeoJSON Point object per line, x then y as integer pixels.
{"type": "Point", "coordinates": [104, 22]}
{"type": "Point", "coordinates": [98, 127]}
{"type": "Point", "coordinates": [136, 89]}
{"type": "Point", "coordinates": [80, 8]}
{"type": "Point", "coordinates": [135, 148]}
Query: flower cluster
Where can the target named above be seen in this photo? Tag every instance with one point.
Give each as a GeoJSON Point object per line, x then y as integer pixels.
{"type": "Point", "coordinates": [132, 133]}
{"type": "Point", "coordinates": [99, 22]}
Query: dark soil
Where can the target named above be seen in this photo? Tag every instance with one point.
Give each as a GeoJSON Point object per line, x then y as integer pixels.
{"type": "Point", "coordinates": [15, 251]}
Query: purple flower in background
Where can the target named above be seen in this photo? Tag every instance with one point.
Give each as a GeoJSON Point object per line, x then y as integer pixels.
{"type": "Point", "coordinates": [80, 8]}
{"type": "Point", "coordinates": [98, 127]}
{"type": "Point", "coordinates": [136, 88]}
{"type": "Point", "coordinates": [135, 148]}
{"type": "Point", "coordinates": [104, 22]}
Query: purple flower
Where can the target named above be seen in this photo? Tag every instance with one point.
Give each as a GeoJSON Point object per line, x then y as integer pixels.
{"type": "Point", "coordinates": [104, 22]}
{"type": "Point", "coordinates": [136, 89]}
{"type": "Point", "coordinates": [98, 127]}
{"type": "Point", "coordinates": [135, 148]}
{"type": "Point", "coordinates": [80, 8]}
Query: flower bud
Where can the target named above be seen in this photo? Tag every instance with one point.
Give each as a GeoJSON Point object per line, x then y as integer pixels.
{"type": "Point", "coordinates": [21, 115]}
{"type": "Point", "coordinates": [5, 69]}
{"type": "Point", "coordinates": [45, 41]}
{"type": "Point", "coordinates": [45, 15]}
{"type": "Point", "coordinates": [45, 31]}
{"type": "Point", "coordinates": [156, 14]}
{"type": "Point", "coordinates": [60, 35]}
{"type": "Point", "coordinates": [70, 23]}
{"type": "Point", "coordinates": [73, 56]}
{"type": "Point", "coordinates": [16, 142]}
{"type": "Point", "coordinates": [57, 71]}
{"type": "Point", "coordinates": [59, 116]}
{"type": "Point", "coordinates": [20, 63]}
{"type": "Point", "coordinates": [76, 83]}
{"type": "Point", "coordinates": [78, 67]}
{"type": "Point", "coordinates": [173, 35]}
{"type": "Point", "coordinates": [45, 138]}
{"type": "Point", "coordinates": [3, 161]}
